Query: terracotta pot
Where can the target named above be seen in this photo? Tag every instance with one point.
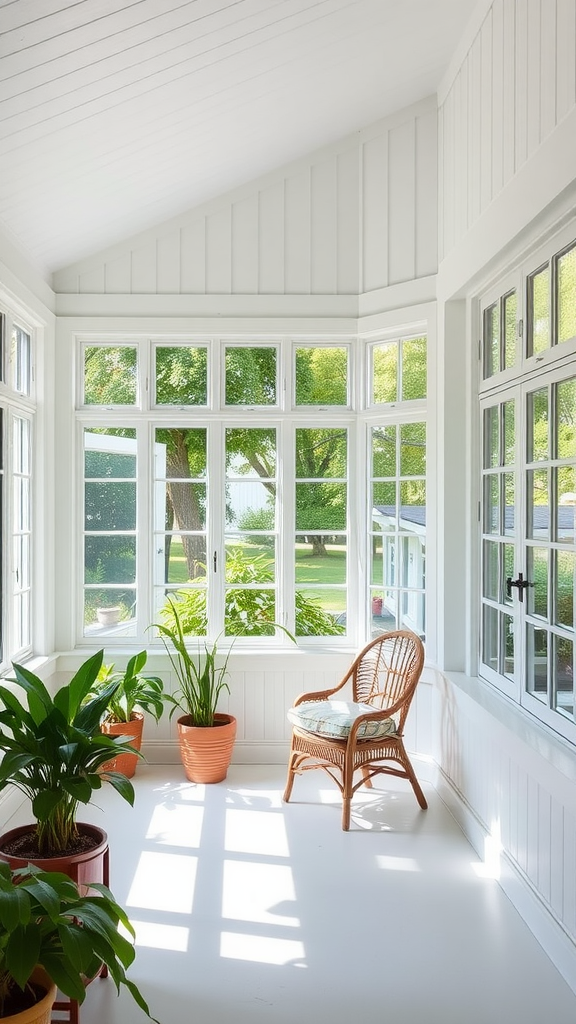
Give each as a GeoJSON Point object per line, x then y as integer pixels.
{"type": "Point", "coordinates": [132, 731]}
{"type": "Point", "coordinates": [41, 1012]}
{"type": "Point", "coordinates": [88, 866]}
{"type": "Point", "coordinates": [206, 753]}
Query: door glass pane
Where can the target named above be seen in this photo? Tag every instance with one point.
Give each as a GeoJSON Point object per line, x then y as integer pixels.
{"type": "Point", "coordinates": [510, 317]}
{"type": "Point", "coordinates": [563, 681]}
{"type": "Point", "coordinates": [490, 637]}
{"type": "Point", "coordinates": [510, 509]}
{"type": "Point", "coordinates": [250, 375]}
{"type": "Point", "coordinates": [538, 499]}
{"type": "Point", "coordinates": [566, 419]}
{"type": "Point", "coordinates": [491, 581]}
{"type": "Point", "coordinates": [565, 584]}
{"type": "Point", "coordinates": [181, 375]}
{"type": "Point", "coordinates": [539, 300]}
{"type": "Point", "coordinates": [508, 645]}
{"type": "Point", "coordinates": [492, 503]}
{"type": "Point", "coordinates": [321, 376]}
{"type": "Point", "coordinates": [537, 596]}
{"type": "Point", "coordinates": [565, 503]}
{"type": "Point", "coordinates": [491, 437]}
{"type": "Point", "coordinates": [537, 662]}
{"type": "Point", "coordinates": [566, 270]}
{"type": "Point", "coordinates": [538, 434]}
{"type": "Point", "coordinates": [509, 434]}
{"type": "Point", "coordinates": [492, 340]}
{"type": "Point", "coordinates": [508, 571]}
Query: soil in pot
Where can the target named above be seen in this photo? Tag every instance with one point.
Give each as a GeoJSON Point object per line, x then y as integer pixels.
{"type": "Point", "coordinates": [33, 1006]}
{"type": "Point", "coordinates": [89, 863]}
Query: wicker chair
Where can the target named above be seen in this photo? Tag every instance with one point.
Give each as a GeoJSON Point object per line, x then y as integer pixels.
{"type": "Point", "coordinates": [343, 736]}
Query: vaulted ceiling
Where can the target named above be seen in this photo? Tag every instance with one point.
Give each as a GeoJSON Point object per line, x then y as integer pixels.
{"type": "Point", "coordinates": [118, 114]}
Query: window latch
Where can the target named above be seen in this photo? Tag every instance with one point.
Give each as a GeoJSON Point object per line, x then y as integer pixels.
{"type": "Point", "coordinates": [520, 583]}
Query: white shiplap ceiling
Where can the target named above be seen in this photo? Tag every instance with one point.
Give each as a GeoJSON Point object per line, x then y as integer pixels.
{"type": "Point", "coordinates": [118, 114]}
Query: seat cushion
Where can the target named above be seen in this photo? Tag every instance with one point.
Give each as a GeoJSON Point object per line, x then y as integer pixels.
{"type": "Point", "coordinates": [334, 718]}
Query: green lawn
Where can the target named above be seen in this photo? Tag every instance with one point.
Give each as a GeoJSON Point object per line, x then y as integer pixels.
{"type": "Point", "coordinates": [326, 570]}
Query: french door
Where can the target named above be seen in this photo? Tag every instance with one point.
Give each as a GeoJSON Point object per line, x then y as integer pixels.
{"type": "Point", "coordinates": [528, 556]}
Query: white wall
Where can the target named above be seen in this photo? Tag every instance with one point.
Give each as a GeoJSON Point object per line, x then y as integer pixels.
{"type": "Point", "coordinates": [359, 216]}
{"type": "Point", "coordinates": [507, 158]}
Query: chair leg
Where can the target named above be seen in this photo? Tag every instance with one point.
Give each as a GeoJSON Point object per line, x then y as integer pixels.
{"type": "Point", "coordinates": [413, 780]}
{"type": "Point", "coordinates": [347, 780]}
{"type": "Point", "coordinates": [290, 779]}
{"type": "Point", "coordinates": [366, 777]}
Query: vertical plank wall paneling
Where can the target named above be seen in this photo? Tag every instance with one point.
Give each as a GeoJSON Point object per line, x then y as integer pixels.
{"type": "Point", "coordinates": [520, 79]}
{"type": "Point", "coordinates": [355, 218]}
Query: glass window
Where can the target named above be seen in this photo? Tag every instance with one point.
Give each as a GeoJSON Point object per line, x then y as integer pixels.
{"type": "Point", "coordinates": [21, 360]}
{"type": "Point", "coordinates": [399, 371]}
{"type": "Point", "coordinates": [250, 375]}
{"type": "Point", "coordinates": [181, 374]}
{"type": "Point", "coordinates": [321, 375]}
{"type": "Point", "coordinates": [110, 375]}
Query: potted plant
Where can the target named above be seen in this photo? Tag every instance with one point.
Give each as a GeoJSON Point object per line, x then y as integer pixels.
{"type": "Point", "coordinates": [53, 753]}
{"type": "Point", "coordinates": [124, 714]}
{"type": "Point", "coordinates": [52, 936]}
{"type": "Point", "coordinates": [206, 736]}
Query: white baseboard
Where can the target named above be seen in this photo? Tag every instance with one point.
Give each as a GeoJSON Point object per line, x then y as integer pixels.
{"type": "Point", "coordinates": [539, 916]}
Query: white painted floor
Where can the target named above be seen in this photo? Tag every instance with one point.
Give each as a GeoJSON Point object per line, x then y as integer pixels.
{"type": "Point", "coordinates": [249, 911]}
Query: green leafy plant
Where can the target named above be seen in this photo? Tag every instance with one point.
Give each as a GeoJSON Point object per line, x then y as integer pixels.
{"type": "Point", "coordinates": [45, 920]}
{"type": "Point", "coordinates": [200, 679]}
{"type": "Point", "coordinates": [135, 692]}
{"type": "Point", "coordinates": [53, 750]}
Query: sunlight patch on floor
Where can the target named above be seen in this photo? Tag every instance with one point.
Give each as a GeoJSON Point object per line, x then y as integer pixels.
{"type": "Point", "coordinates": [262, 949]}
{"type": "Point", "coordinates": [164, 881]}
{"type": "Point", "coordinates": [259, 892]}
{"type": "Point", "coordinates": [256, 832]}
{"type": "Point", "coordinates": [176, 825]}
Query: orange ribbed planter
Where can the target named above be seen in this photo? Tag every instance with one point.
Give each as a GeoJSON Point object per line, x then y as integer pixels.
{"type": "Point", "coordinates": [132, 733]}
{"type": "Point", "coordinates": [206, 753]}
{"type": "Point", "coordinates": [41, 1012]}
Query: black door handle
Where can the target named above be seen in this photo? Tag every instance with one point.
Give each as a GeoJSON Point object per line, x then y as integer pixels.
{"type": "Point", "coordinates": [521, 583]}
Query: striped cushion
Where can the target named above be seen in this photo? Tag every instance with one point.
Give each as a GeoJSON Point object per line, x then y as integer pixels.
{"type": "Point", "coordinates": [334, 718]}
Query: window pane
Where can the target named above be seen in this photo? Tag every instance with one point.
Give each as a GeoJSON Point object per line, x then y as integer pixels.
{"type": "Point", "coordinates": [491, 575]}
{"type": "Point", "coordinates": [109, 453]}
{"type": "Point", "coordinates": [384, 504]}
{"type": "Point", "coordinates": [565, 503]}
{"type": "Point", "coordinates": [508, 573]}
{"type": "Point", "coordinates": [413, 449]}
{"type": "Point", "coordinates": [21, 360]}
{"type": "Point", "coordinates": [319, 560]}
{"type": "Point", "coordinates": [385, 372]}
{"type": "Point", "coordinates": [508, 642]}
{"type": "Point", "coordinates": [510, 329]}
{"type": "Point", "coordinates": [110, 559]}
{"type": "Point", "coordinates": [321, 507]}
{"type": "Point", "coordinates": [191, 603]}
{"type": "Point", "coordinates": [490, 637]}
{"type": "Point", "coordinates": [563, 680]}
{"type": "Point", "coordinates": [538, 504]}
{"type": "Point", "coordinates": [510, 509]}
{"type": "Point", "coordinates": [537, 662]}
{"type": "Point", "coordinates": [251, 453]}
{"type": "Point", "coordinates": [250, 376]}
{"type": "Point", "coordinates": [565, 583]}
{"type": "Point", "coordinates": [109, 612]}
{"type": "Point", "coordinates": [537, 595]}
{"type": "Point", "coordinates": [110, 506]}
{"type": "Point", "coordinates": [566, 419]}
{"type": "Point", "coordinates": [538, 422]}
{"type": "Point", "coordinates": [492, 437]}
{"type": "Point", "coordinates": [492, 340]}
{"type": "Point", "coordinates": [539, 300]}
{"type": "Point", "coordinates": [492, 503]}
{"type": "Point", "coordinates": [509, 434]}
{"type": "Point", "coordinates": [321, 376]}
{"type": "Point", "coordinates": [250, 612]}
{"type": "Point", "coordinates": [252, 561]}
{"type": "Point", "coordinates": [566, 270]}
{"type": "Point", "coordinates": [321, 614]}
{"type": "Point", "coordinates": [110, 375]}
{"type": "Point", "coordinates": [181, 375]}
{"type": "Point", "coordinates": [180, 558]}
{"type": "Point", "coordinates": [321, 454]}
{"type": "Point", "coordinates": [384, 451]}
{"type": "Point", "coordinates": [413, 369]}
